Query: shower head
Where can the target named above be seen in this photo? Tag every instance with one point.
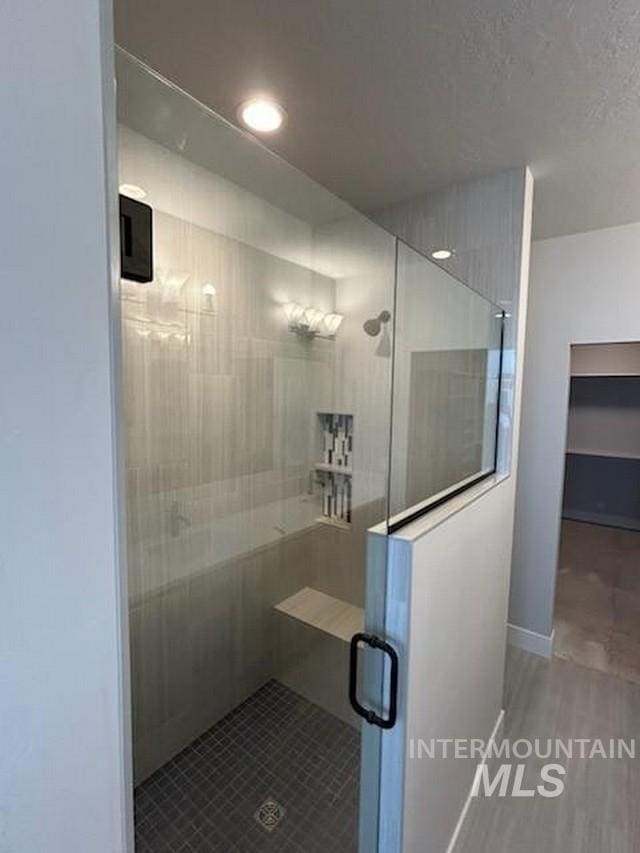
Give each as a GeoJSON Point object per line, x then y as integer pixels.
{"type": "Point", "coordinates": [373, 326]}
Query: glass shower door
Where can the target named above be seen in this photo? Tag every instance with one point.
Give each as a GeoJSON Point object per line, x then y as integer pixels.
{"type": "Point", "coordinates": [257, 398]}
{"type": "Point", "coordinates": [447, 387]}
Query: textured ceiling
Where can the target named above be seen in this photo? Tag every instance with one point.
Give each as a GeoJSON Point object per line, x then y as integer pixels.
{"type": "Point", "coordinates": [391, 98]}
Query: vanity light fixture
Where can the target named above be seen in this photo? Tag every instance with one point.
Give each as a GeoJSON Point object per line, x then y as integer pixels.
{"type": "Point", "coordinates": [133, 191]}
{"type": "Point", "coordinates": [310, 322]}
{"type": "Point", "coordinates": [441, 254]}
{"type": "Point", "coordinates": [262, 115]}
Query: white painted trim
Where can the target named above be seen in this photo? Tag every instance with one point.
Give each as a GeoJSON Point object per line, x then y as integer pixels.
{"type": "Point", "coordinates": [394, 743]}
{"type": "Point", "coordinates": [110, 139]}
{"type": "Point", "coordinates": [415, 530]}
{"type": "Point", "coordinates": [470, 797]}
{"type": "Point", "coordinates": [530, 641]}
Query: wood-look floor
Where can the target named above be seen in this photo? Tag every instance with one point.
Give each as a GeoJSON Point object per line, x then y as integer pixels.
{"type": "Point", "coordinates": [599, 811]}
{"type": "Point", "coordinates": [597, 613]}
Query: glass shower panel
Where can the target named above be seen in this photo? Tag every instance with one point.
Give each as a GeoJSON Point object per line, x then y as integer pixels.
{"type": "Point", "coordinates": [257, 421]}
{"type": "Point", "coordinates": [447, 369]}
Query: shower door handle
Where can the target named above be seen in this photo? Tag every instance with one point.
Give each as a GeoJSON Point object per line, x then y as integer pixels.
{"type": "Point", "coordinates": [369, 714]}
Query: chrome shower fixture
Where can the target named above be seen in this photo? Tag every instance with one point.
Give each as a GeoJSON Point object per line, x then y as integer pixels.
{"type": "Point", "coordinates": [373, 326]}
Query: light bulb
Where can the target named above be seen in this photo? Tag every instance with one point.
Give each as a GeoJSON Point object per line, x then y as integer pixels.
{"type": "Point", "coordinates": [293, 312]}
{"type": "Point", "coordinates": [313, 318]}
{"type": "Point", "coordinates": [261, 114]}
{"type": "Point", "coordinates": [332, 323]}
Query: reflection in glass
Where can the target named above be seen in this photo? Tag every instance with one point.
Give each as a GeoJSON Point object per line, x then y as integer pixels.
{"type": "Point", "coordinates": [257, 459]}
{"type": "Point", "coordinates": [446, 384]}
{"type": "Point", "coordinates": [257, 399]}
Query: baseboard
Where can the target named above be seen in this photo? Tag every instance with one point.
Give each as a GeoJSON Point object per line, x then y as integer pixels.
{"type": "Point", "coordinates": [530, 641]}
{"type": "Point", "coordinates": [463, 814]}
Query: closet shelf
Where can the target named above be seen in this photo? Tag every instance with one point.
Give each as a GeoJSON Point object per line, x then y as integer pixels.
{"type": "Point", "coordinates": [610, 454]}
{"type": "Point", "coordinates": [324, 612]}
{"type": "Point", "coordinates": [605, 375]}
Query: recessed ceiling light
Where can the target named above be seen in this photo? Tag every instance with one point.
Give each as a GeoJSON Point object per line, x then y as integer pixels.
{"type": "Point", "coordinates": [133, 191]}
{"type": "Point", "coordinates": [441, 254]}
{"type": "Point", "coordinates": [262, 115]}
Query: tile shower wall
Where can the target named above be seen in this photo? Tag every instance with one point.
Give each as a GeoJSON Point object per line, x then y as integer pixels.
{"type": "Point", "coordinates": [215, 513]}
{"type": "Point", "coordinates": [222, 404]}
{"type": "Point", "coordinates": [212, 397]}
{"type": "Point", "coordinates": [444, 403]}
{"type": "Point", "coordinates": [446, 420]}
{"type": "Point", "coordinates": [480, 220]}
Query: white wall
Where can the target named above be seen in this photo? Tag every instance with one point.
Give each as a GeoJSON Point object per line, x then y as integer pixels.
{"type": "Point", "coordinates": [453, 644]}
{"type": "Point", "coordinates": [584, 289]}
{"type": "Point", "coordinates": [447, 599]}
{"type": "Point", "coordinates": [63, 775]}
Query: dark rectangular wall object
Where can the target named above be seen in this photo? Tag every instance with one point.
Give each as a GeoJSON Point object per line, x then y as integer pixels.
{"type": "Point", "coordinates": [136, 240]}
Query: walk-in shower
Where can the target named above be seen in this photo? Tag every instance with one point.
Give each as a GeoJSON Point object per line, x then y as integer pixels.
{"type": "Point", "coordinates": [258, 454]}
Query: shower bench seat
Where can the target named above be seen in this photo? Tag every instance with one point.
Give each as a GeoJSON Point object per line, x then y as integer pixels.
{"type": "Point", "coordinates": [324, 612]}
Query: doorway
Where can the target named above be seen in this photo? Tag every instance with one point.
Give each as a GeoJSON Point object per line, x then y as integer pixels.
{"type": "Point", "coordinates": [597, 608]}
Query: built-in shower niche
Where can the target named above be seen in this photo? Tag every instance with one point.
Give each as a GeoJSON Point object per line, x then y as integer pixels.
{"type": "Point", "coordinates": [334, 468]}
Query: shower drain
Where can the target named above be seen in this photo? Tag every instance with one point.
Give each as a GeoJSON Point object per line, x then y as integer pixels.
{"type": "Point", "coordinates": [269, 814]}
